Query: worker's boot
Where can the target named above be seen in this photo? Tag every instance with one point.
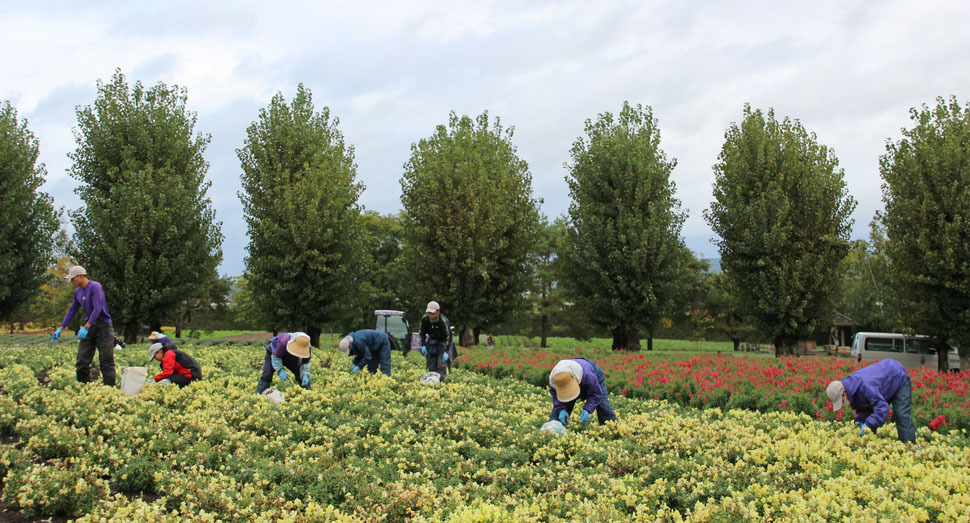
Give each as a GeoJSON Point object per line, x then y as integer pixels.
{"type": "Point", "coordinates": [261, 386]}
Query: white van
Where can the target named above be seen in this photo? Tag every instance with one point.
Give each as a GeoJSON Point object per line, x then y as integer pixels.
{"type": "Point", "coordinates": [912, 351]}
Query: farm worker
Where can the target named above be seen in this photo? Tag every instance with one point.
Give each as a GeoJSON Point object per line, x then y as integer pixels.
{"type": "Point", "coordinates": [870, 390]}
{"type": "Point", "coordinates": [158, 337]}
{"type": "Point", "coordinates": [438, 348]}
{"type": "Point", "coordinates": [579, 379]}
{"type": "Point", "coordinates": [96, 331]}
{"type": "Point", "coordinates": [177, 367]}
{"type": "Point", "coordinates": [291, 351]}
{"type": "Point", "coordinates": [368, 347]}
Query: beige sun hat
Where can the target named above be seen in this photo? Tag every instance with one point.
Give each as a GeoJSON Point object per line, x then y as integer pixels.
{"type": "Point", "coordinates": [299, 345]}
{"type": "Point", "coordinates": [565, 377]}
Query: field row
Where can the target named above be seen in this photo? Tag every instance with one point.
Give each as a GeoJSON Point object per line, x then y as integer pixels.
{"type": "Point", "coordinates": [727, 381]}
{"type": "Point", "coordinates": [372, 448]}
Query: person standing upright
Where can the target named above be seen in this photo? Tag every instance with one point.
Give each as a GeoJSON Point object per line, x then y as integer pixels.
{"type": "Point", "coordinates": [96, 333]}
{"type": "Point", "coordinates": [437, 338]}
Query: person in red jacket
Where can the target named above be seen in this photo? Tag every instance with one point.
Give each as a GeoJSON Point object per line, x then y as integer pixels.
{"type": "Point", "coordinates": [177, 367]}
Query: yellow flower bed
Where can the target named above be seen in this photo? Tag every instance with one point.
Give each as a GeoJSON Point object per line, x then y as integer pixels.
{"type": "Point", "coordinates": [370, 448]}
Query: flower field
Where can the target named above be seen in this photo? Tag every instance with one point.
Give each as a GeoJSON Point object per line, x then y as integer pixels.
{"type": "Point", "coordinates": [727, 381]}
{"type": "Point", "coordinates": [372, 448]}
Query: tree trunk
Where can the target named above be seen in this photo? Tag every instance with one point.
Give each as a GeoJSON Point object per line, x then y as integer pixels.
{"type": "Point", "coordinates": [544, 330]}
{"type": "Point", "coordinates": [467, 338]}
{"type": "Point", "coordinates": [785, 346]}
{"type": "Point", "coordinates": [314, 333]}
{"type": "Point", "coordinates": [943, 356]}
{"type": "Point", "coordinates": [478, 334]}
{"type": "Point", "coordinates": [130, 331]}
{"type": "Point", "coordinates": [619, 338]}
{"type": "Point", "coordinates": [626, 338]}
{"type": "Point", "coordinates": [737, 344]}
{"type": "Point", "coordinates": [650, 342]}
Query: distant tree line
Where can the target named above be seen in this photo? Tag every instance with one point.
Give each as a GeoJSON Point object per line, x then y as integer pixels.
{"type": "Point", "coordinates": [471, 235]}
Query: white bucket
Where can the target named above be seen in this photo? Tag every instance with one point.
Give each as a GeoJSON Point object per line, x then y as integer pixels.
{"type": "Point", "coordinates": [133, 379]}
{"type": "Point", "coordinates": [274, 395]}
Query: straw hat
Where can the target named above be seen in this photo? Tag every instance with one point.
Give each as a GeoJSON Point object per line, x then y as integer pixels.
{"type": "Point", "coordinates": [299, 345]}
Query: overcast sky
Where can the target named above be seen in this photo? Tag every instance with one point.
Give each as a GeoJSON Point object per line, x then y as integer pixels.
{"type": "Point", "coordinates": [391, 72]}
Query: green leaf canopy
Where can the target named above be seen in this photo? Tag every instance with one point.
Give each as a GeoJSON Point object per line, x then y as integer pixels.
{"type": "Point", "coordinates": [782, 212]}
{"type": "Point", "coordinates": [147, 231]}
{"type": "Point", "coordinates": [471, 221]}
{"type": "Point", "coordinates": [300, 203]}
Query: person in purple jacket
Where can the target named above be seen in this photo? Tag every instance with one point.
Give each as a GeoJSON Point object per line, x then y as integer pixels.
{"type": "Point", "coordinates": [579, 379]}
{"type": "Point", "coordinates": [870, 390]}
{"type": "Point", "coordinates": [96, 331]}
{"type": "Point", "coordinates": [286, 351]}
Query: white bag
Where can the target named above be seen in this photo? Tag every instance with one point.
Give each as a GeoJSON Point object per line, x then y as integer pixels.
{"type": "Point", "coordinates": [274, 395]}
{"type": "Point", "coordinates": [553, 426]}
{"type": "Point", "coordinates": [133, 379]}
{"type": "Point", "coordinates": [431, 378]}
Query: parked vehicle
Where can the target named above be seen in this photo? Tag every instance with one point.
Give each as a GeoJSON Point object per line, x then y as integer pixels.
{"type": "Point", "coordinates": [912, 351]}
{"type": "Point", "coordinates": [395, 324]}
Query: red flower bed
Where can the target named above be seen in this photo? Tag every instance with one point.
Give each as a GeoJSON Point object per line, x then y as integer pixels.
{"type": "Point", "coordinates": [729, 381]}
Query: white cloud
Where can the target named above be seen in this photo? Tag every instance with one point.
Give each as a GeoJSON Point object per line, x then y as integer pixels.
{"type": "Point", "coordinates": [391, 71]}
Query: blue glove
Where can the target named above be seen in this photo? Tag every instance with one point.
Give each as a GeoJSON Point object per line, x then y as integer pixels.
{"type": "Point", "coordinates": [424, 350]}
{"type": "Point", "coordinates": [57, 334]}
{"type": "Point", "coordinates": [862, 430]}
{"type": "Point", "coordinates": [283, 374]}
{"type": "Point", "coordinates": [355, 369]}
{"type": "Point", "coordinates": [446, 356]}
{"type": "Point", "coordinates": [563, 417]}
{"type": "Point", "coordinates": [82, 333]}
{"type": "Point", "coordinates": [306, 380]}
{"type": "Point", "coordinates": [859, 424]}
{"type": "Point", "coordinates": [584, 417]}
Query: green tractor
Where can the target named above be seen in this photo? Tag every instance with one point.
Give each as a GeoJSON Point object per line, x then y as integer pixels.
{"type": "Point", "coordinates": [395, 324]}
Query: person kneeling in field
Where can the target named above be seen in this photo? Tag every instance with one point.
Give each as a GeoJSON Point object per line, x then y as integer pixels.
{"type": "Point", "coordinates": [177, 367]}
{"type": "Point", "coordinates": [368, 347]}
{"type": "Point", "coordinates": [291, 351]}
{"type": "Point", "coordinates": [870, 390]}
{"type": "Point", "coordinates": [579, 379]}
{"type": "Point", "coordinates": [158, 337]}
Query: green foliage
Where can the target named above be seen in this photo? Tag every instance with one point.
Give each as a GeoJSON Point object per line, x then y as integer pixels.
{"type": "Point", "coordinates": [927, 217]}
{"type": "Point", "coordinates": [300, 203]}
{"type": "Point", "coordinates": [623, 258]}
{"type": "Point", "coordinates": [865, 294]}
{"type": "Point", "coordinates": [147, 231]}
{"type": "Point", "coordinates": [471, 221]}
{"type": "Point", "coordinates": [782, 211]}
{"type": "Point", "coordinates": [28, 220]}
{"type": "Point", "coordinates": [387, 282]}
{"type": "Point", "coordinates": [47, 307]}
{"type": "Point", "coordinates": [716, 313]}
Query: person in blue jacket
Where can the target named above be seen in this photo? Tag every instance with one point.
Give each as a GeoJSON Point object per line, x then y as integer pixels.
{"type": "Point", "coordinates": [368, 347]}
{"type": "Point", "coordinates": [579, 379]}
{"type": "Point", "coordinates": [870, 390]}
{"type": "Point", "coordinates": [96, 333]}
{"type": "Point", "coordinates": [286, 351]}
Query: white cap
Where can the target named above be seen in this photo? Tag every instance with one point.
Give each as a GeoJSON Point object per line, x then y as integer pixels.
{"type": "Point", "coordinates": [345, 345]}
{"type": "Point", "coordinates": [433, 307]}
{"type": "Point", "coordinates": [75, 271]}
